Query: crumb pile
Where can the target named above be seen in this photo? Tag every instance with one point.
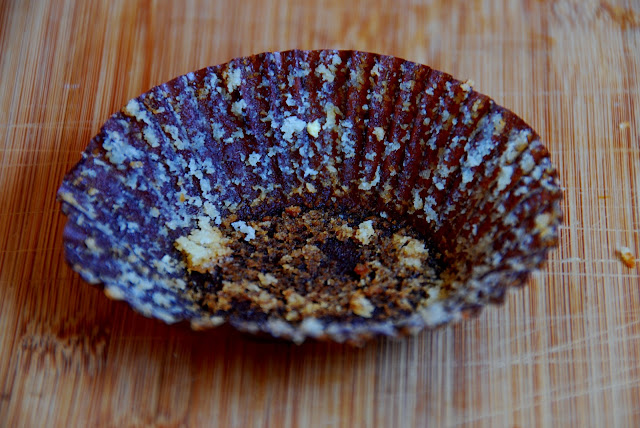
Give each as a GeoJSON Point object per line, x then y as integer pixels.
{"type": "Point", "coordinates": [321, 263]}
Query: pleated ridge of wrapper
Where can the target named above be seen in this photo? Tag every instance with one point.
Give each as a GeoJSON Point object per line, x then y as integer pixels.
{"type": "Point", "coordinates": [311, 128]}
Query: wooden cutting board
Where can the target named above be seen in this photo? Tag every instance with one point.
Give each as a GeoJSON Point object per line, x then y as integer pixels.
{"type": "Point", "coordinates": [564, 350]}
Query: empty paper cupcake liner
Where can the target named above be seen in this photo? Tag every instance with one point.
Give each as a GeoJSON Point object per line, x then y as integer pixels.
{"type": "Point", "coordinates": [329, 194]}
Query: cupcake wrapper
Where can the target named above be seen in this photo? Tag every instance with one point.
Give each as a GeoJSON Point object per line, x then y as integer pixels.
{"type": "Point", "coordinates": [311, 128]}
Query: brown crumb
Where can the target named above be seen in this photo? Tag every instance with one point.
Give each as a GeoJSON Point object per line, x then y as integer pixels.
{"type": "Point", "coordinates": [312, 263]}
{"type": "Point", "coordinates": [293, 210]}
{"type": "Point", "coordinates": [627, 257]}
{"type": "Point", "coordinates": [360, 305]}
{"type": "Point", "coordinates": [361, 269]}
{"type": "Point", "coordinates": [624, 125]}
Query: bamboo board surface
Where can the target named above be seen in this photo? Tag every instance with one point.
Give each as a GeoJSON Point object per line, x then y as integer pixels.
{"type": "Point", "coordinates": [565, 350]}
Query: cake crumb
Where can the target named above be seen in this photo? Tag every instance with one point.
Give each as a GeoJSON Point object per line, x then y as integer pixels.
{"type": "Point", "coordinates": [313, 128]}
{"type": "Point", "coordinates": [92, 245]}
{"type": "Point", "coordinates": [204, 248]}
{"type": "Point", "coordinates": [361, 269]}
{"type": "Point", "coordinates": [624, 125]}
{"type": "Point", "coordinates": [344, 232]}
{"type": "Point", "coordinates": [365, 232]}
{"type": "Point", "coordinates": [241, 226]}
{"type": "Point", "coordinates": [253, 159]}
{"type": "Point", "coordinates": [293, 210]}
{"type": "Point", "coordinates": [361, 306]}
{"type": "Point", "coordinates": [468, 85]}
{"type": "Point", "coordinates": [293, 299]}
{"type": "Point", "coordinates": [311, 188]}
{"type": "Point", "coordinates": [290, 126]}
{"type": "Point", "coordinates": [379, 133]}
{"type": "Point", "coordinates": [114, 293]}
{"type": "Point", "coordinates": [627, 257]}
{"type": "Point", "coordinates": [267, 279]}
{"type": "Point", "coordinates": [412, 252]}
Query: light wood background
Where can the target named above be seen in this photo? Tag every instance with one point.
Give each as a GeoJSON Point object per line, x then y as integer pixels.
{"type": "Point", "coordinates": [563, 351]}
